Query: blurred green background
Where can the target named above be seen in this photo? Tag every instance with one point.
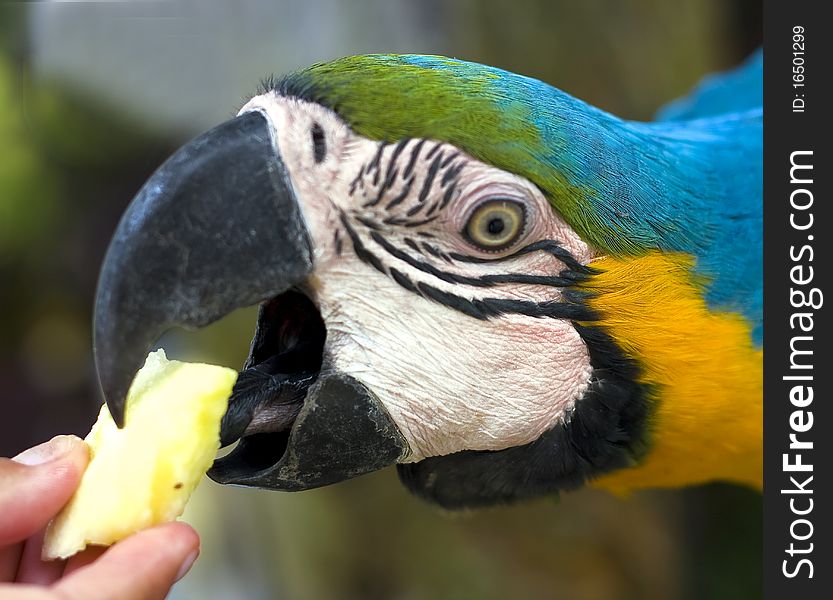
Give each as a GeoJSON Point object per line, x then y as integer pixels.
{"type": "Point", "coordinates": [94, 96]}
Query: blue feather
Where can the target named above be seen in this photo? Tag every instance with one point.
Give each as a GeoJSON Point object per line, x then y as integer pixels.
{"type": "Point", "coordinates": [736, 90]}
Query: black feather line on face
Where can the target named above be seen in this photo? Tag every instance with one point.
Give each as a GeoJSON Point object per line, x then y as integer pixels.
{"type": "Point", "coordinates": [390, 174]}
{"type": "Point", "coordinates": [606, 430]}
{"type": "Point", "coordinates": [452, 173]}
{"type": "Point", "coordinates": [413, 245]}
{"type": "Point", "coordinates": [337, 241]}
{"type": "Point", "coordinates": [429, 179]}
{"type": "Point", "coordinates": [375, 164]}
{"type": "Point", "coordinates": [482, 281]}
{"type": "Point", "coordinates": [409, 168]}
{"type": "Point", "coordinates": [434, 251]}
{"type": "Point", "coordinates": [549, 246]}
{"type": "Point", "coordinates": [358, 179]}
{"type": "Point", "coordinates": [433, 150]}
{"type": "Point", "coordinates": [358, 247]}
{"type": "Point", "coordinates": [412, 224]}
{"type": "Point", "coordinates": [449, 194]}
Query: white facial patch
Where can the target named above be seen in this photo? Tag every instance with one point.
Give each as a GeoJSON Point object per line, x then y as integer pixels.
{"type": "Point", "coordinates": [451, 382]}
{"type": "Point", "coordinates": [399, 284]}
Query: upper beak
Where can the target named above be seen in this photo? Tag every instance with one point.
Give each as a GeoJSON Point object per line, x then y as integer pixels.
{"type": "Point", "coordinates": [217, 227]}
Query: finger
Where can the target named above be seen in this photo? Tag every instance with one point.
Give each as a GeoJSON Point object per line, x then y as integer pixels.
{"type": "Point", "coordinates": [143, 566]}
{"type": "Point", "coordinates": [9, 560]}
{"type": "Point", "coordinates": [24, 592]}
{"type": "Point", "coordinates": [82, 559]}
{"type": "Point", "coordinates": [36, 484]}
{"type": "Point", "coordinates": [34, 570]}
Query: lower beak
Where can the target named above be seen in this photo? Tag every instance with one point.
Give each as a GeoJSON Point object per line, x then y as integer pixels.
{"type": "Point", "coordinates": [217, 227]}
{"type": "Point", "coordinates": [342, 431]}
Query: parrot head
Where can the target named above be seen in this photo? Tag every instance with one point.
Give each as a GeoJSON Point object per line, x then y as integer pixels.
{"type": "Point", "coordinates": [440, 251]}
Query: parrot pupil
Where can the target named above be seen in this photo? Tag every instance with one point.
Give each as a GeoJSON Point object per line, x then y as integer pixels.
{"type": "Point", "coordinates": [496, 226]}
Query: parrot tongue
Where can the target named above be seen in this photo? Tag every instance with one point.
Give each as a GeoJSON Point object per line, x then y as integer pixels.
{"type": "Point", "coordinates": [284, 361]}
{"type": "Point", "coordinates": [264, 400]}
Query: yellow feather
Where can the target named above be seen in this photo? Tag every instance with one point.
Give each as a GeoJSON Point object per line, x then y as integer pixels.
{"type": "Point", "coordinates": [705, 374]}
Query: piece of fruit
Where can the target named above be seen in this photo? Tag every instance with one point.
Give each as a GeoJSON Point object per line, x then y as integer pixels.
{"type": "Point", "coordinates": [143, 474]}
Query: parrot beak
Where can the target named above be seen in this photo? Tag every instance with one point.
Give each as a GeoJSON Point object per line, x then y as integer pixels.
{"type": "Point", "coordinates": [217, 227]}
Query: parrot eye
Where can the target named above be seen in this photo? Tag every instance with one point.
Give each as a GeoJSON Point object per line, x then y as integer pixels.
{"type": "Point", "coordinates": [496, 224]}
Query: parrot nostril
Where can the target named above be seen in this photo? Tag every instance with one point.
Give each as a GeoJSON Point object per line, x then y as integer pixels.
{"type": "Point", "coordinates": [319, 143]}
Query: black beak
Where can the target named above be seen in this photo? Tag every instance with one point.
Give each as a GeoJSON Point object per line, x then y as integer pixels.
{"type": "Point", "coordinates": [342, 431]}
{"type": "Point", "coordinates": [218, 227]}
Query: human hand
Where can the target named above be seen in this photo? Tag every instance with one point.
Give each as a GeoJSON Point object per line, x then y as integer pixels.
{"type": "Point", "coordinates": [34, 486]}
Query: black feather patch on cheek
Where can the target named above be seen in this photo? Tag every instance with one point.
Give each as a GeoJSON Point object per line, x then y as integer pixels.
{"type": "Point", "coordinates": [606, 431]}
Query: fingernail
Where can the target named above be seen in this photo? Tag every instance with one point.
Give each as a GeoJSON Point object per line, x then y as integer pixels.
{"type": "Point", "coordinates": [186, 564]}
{"type": "Point", "coordinates": [55, 448]}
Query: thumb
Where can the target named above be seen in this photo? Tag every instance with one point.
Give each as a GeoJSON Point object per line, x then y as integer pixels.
{"type": "Point", "coordinates": [37, 483]}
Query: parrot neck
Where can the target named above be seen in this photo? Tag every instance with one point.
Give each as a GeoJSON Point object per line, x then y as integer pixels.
{"type": "Point", "coordinates": [691, 187]}
{"type": "Point", "coordinates": [703, 371]}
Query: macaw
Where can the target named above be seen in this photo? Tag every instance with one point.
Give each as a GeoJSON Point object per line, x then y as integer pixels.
{"type": "Point", "coordinates": [465, 272]}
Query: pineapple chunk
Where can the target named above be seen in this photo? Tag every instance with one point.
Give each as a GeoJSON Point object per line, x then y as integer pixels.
{"type": "Point", "coordinates": [143, 474]}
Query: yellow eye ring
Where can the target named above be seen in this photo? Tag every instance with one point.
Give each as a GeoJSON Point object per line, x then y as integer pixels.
{"type": "Point", "coordinates": [496, 224]}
